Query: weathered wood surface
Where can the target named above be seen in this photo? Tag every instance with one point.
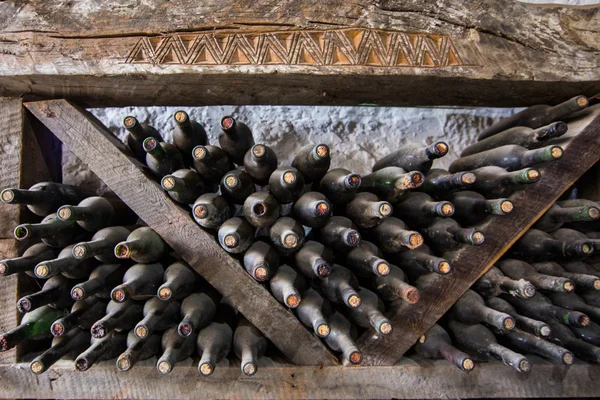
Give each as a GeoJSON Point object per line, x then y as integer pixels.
{"type": "Point", "coordinates": [581, 153]}
{"type": "Point", "coordinates": [423, 380]}
{"type": "Point", "coordinates": [387, 52]}
{"type": "Point", "coordinates": [8, 298]}
{"type": "Point", "coordinates": [96, 146]}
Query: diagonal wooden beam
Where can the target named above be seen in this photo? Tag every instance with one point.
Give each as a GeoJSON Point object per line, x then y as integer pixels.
{"type": "Point", "coordinates": [106, 156]}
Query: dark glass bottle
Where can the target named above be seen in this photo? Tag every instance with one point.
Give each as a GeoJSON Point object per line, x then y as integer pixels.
{"type": "Point", "coordinates": [554, 218]}
{"type": "Point", "coordinates": [439, 183]}
{"type": "Point", "coordinates": [580, 267]}
{"type": "Point", "coordinates": [52, 231]}
{"type": "Point", "coordinates": [563, 336]}
{"type": "Point", "coordinates": [35, 325]}
{"type": "Point", "coordinates": [286, 184]}
{"type": "Point", "coordinates": [66, 264]}
{"type": "Point", "coordinates": [142, 245]}
{"type": "Point", "coordinates": [102, 244]}
{"type": "Point", "coordinates": [100, 282]}
{"type": "Point", "coordinates": [471, 208]}
{"type": "Point", "coordinates": [158, 316]}
{"type": "Point", "coordinates": [95, 213]}
{"type": "Point", "coordinates": [528, 343]}
{"type": "Point", "coordinates": [340, 185]}
{"type": "Point", "coordinates": [392, 236]}
{"type": "Point", "coordinates": [312, 162]}
{"type": "Point", "coordinates": [83, 315]}
{"type": "Point", "coordinates": [590, 333]}
{"type": "Point", "coordinates": [236, 139]}
{"type": "Point", "coordinates": [494, 282]}
{"type": "Point", "coordinates": [184, 185]}
{"type": "Point", "coordinates": [445, 234]}
{"type": "Point", "coordinates": [494, 182]}
{"type": "Point", "coordinates": [197, 311]}
{"type": "Point", "coordinates": [527, 324]}
{"type": "Point", "coordinates": [370, 313]}
{"type": "Point", "coordinates": [314, 312]}
{"type": "Point", "coordinates": [340, 234]}
{"type": "Point", "coordinates": [569, 235]}
{"type": "Point", "coordinates": [179, 282]}
{"type": "Point", "coordinates": [581, 280]}
{"type": "Point", "coordinates": [236, 186]}
{"type": "Point", "coordinates": [394, 286]}
{"type": "Point", "coordinates": [571, 301]}
{"type": "Point", "coordinates": [341, 287]}
{"type": "Point", "coordinates": [413, 157]}
{"type": "Point", "coordinates": [210, 210]}
{"type": "Point", "coordinates": [119, 316]}
{"type": "Point", "coordinates": [175, 349]}
{"type": "Point", "coordinates": [213, 344]}
{"type": "Point", "coordinates": [419, 209]}
{"type": "Point", "coordinates": [340, 339]}
{"type": "Point", "coordinates": [140, 282]}
{"type": "Point", "coordinates": [436, 343]}
{"type": "Point", "coordinates": [314, 259]}
{"type": "Point", "coordinates": [287, 235]}
{"type": "Point", "coordinates": [261, 260]}
{"type": "Point", "coordinates": [73, 343]}
{"type": "Point", "coordinates": [260, 162]}
{"type": "Point", "coordinates": [286, 286]}
{"type": "Point", "coordinates": [366, 210]}
{"type": "Point", "coordinates": [517, 269]}
{"type": "Point", "coordinates": [510, 157]}
{"type": "Point", "coordinates": [211, 162]}
{"type": "Point", "coordinates": [366, 260]}
{"type": "Point", "coordinates": [249, 345]}
{"type": "Point", "coordinates": [162, 158]}
{"type": "Point", "coordinates": [419, 261]}
{"type": "Point", "coordinates": [471, 309]}
{"type": "Point", "coordinates": [236, 235]}
{"type": "Point", "coordinates": [187, 135]}
{"type": "Point", "coordinates": [261, 209]}
{"type": "Point", "coordinates": [540, 307]}
{"type": "Point", "coordinates": [106, 348]}
{"type": "Point", "coordinates": [26, 263]}
{"type": "Point", "coordinates": [55, 292]}
{"type": "Point", "coordinates": [536, 246]}
{"type": "Point", "coordinates": [138, 349]}
{"type": "Point", "coordinates": [312, 209]}
{"type": "Point", "coordinates": [137, 133]}
{"type": "Point", "coordinates": [391, 183]}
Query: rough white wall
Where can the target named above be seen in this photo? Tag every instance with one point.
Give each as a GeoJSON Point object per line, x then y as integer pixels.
{"type": "Point", "coordinates": [357, 135]}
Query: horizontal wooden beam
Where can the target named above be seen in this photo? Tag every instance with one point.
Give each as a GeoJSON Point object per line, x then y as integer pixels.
{"type": "Point", "coordinates": [390, 52]}
{"type": "Point", "coordinates": [581, 153]}
{"type": "Point", "coordinates": [106, 156]}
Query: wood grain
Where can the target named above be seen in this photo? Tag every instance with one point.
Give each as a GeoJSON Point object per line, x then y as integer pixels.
{"type": "Point", "coordinates": [581, 153]}
{"type": "Point", "coordinates": [8, 298]}
{"type": "Point", "coordinates": [96, 146]}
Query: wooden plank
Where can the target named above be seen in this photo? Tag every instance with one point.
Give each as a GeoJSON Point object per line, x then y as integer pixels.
{"type": "Point", "coordinates": [410, 380]}
{"type": "Point", "coordinates": [431, 52]}
{"type": "Point", "coordinates": [8, 298]}
{"type": "Point", "coordinates": [582, 152]}
{"type": "Point", "coordinates": [96, 146]}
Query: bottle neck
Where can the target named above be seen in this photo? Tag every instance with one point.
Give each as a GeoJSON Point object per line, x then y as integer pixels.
{"type": "Point", "coordinates": [574, 214]}
{"type": "Point", "coordinates": [50, 268]}
{"type": "Point", "coordinates": [29, 197]}
{"type": "Point", "coordinates": [93, 248]}
{"type": "Point", "coordinates": [42, 230]}
{"type": "Point", "coordinates": [41, 298]}
{"type": "Point", "coordinates": [560, 110]}
{"type": "Point", "coordinates": [544, 154]}
{"type": "Point", "coordinates": [498, 206]}
{"type": "Point", "coordinates": [173, 183]}
{"type": "Point", "coordinates": [77, 213]}
{"type": "Point", "coordinates": [249, 358]}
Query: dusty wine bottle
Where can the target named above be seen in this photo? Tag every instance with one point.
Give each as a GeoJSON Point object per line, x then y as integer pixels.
{"type": "Point", "coordinates": [568, 235]}
{"type": "Point", "coordinates": [580, 267]}
{"type": "Point", "coordinates": [83, 315]}
{"type": "Point", "coordinates": [537, 116]}
{"type": "Point", "coordinates": [556, 216]}
{"type": "Point", "coordinates": [187, 134]}
{"type": "Point", "coordinates": [162, 158]}
{"type": "Point", "coordinates": [313, 162]}
{"type": "Point", "coordinates": [119, 316]}
{"type": "Point", "coordinates": [140, 282]}
{"type": "Point", "coordinates": [571, 301]}
{"type": "Point", "coordinates": [26, 263]}
{"type": "Point", "coordinates": [340, 185]}
{"type": "Point", "coordinates": [445, 234]}
{"type": "Point", "coordinates": [105, 348]}
{"type": "Point", "coordinates": [436, 343]}
{"type": "Point", "coordinates": [261, 209]}
{"type": "Point", "coordinates": [236, 235]}
{"type": "Point", "coordinates": [138, 350]}
{"type": "Point", "coordinates": [370, 313]}
{"type": "Point", "coordinates": [137, 132]}
{"type": "Point", "coordinates": [312, 209]}
{"type": "Point", "coordinates": [314, 259]}
{"type": "Point", "coordinates": [540, 307]}
{"type": "Point", "coordinates": [102, 244]}
{"type": "Point", "coordinates": [581, 280]}
{"type": "Point", "coordinates": [391, 183]}
{"type": "Point", "coordinates": [314, 311]}
{"type": "Point", "coordinates": [286, 286]}
{"type": "Point", "coordinates": [100, 282]}
{"type": "Point", "coordinates": [420, 209]}
{"type": "Point", "coordinates": [527, 324]}
{"type": "Point", "coordinates": [236, 139]}
{"type": "Point", "coordinates": [471, 208]}
{"type": "Point", "coordinates": [35, 325]}
{"type": "Point", "coordinates": [184, 185]}
{"type": "Point", "coordinates": [392, 236]}
{"type": "Point", "coordinates": [393, 286]}
{"type": "Point", "coordinates": [510, 157]}
{"type": "Point", "coordinates": [516, 269]}
{"type": "Point", "coordinates": [589, 333]}
{"type": "Point", "coordinates": [519, 135]}
{"type": "Point", "coordinates": [340, 234]}
{"type": "Point", "coordinates": [158, 316]}
{"type": "Point", "coordinates": [471, 309]}
{"type": "Point", "coordinates": [563, 336]}
{"type": "Point", "coordinates": [213, 344]}
{"type": "Point", "coordinates": [440, 183]}
{"type": "Point", "coordinates": [249, 345]}
{"type": "Point", "coordinates": [73, 343]}
{"type": "Point", "coordinates": [53, 293]}
{"type": "Point", "coordinates": [366, 260]}
{"type": "Point", "coordinates": [210, 210]}
{"type": "Point", "coordinates": [421, 260]}
{"type": "Point", "coordinates": [340, 339]}
{"type": "Point", "coordinates": [413, 157]}
{"type": "Point", "coordinates": [494, 182]}
{"type": "Point", "coordinates": [366, 211]}
{"type": "Point", "coordinates": [236, 186]}
{"type": "Point", "coordinates": [261, 260]}
{"type": "Point", "coordinates": [66, 264]}
{"type": "Point", "coordinates": [95, 213]}
{"type": "Point", "coordinates": [44, 198]}
{"type": "Point", "coordinates": [197, 310]}
{"type": "Point", "coordinates": [175, 349]}
{"type": "Point", "coordinates": [260, 162]}
{"type": "Point", "coordinates": [179, 282]}
{"type": "Point", "coordinates": [52, 231]}
{"type": "Point", "coordinates": [142, 245]}
{"type": "Point", "coordinates": [287, 235]}
{"type": "Point", "coordinates": [340, 287]}
{"type": "Point", "coordinates": [494, 282]}
{"type": "Point", "coordinates": [286, 184]}
{"type": "Point", "coordinates": [536, 246]}
{"type": "Point", "coordinates": [528, 343]}
{"type": "Point", "coordinates": [211, 162]}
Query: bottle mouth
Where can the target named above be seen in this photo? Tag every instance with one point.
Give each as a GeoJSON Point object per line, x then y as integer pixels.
{"type": "Point", "coordinates": [444, 267]}
{"type": "Point", "coordinates": [289, 177]}
{"type": "Point", "coordinates": [582, 101]}
{"type": "Point", "coordinates": [7, 196]}
{"type": "Point", "coordinates": [141, 331]}
{"type": "Point", "coordinates": [506, 206]}
{"type": "Point", "coordinates": [227, 123]}
{"type": "Point", "coordinates": [231, 181]}
{"type": "Point", "coordinates": [118, 295]}
{"type": "Point", "coordinates": [249, 369]}
{"type": "Point", "coordinates": [165, 293]}
{"type": "Point", "coordinates": [382, 268]}
{"type": "Point", "coordinates": [323, 330]}
{"type": "Point", "coordinates": [524, 366]}
{"type": "Point", "coordinates": [568, 286]}
{"type": "Point", "coordinates": [206, 368]}
{"type": "Point", "coordinates": [415, 240]}
{"type": "Point", "coordinates": [322, 209]}
{"type": "Point", "coordinates": [167, 182]}
{"type": "Point", "coordinates": [568, 358]}
{"type": "Point", "coordinates": [24, 305]}
{"type": "Point", "coordinates": [445, 209]}
{"type": "Point", "coordinates": [4, 269]}
{"type": "Point", "coordinates": [259, 150]}
{"type": "Point", "coordinates": [81, 364]}
{"type": "Point", "coordinates": [149, 144]}
{"type": "Point", "coordinates": [533, 175]}
{"type": "Point", "coordinates": [129, 121]}
{"type": "Point", "coordinates": [122, 250]}
{"type": "Point", "coordinates": [3, 343]}
{"type": "Point", "coordinates": [184, 329]}
{"type": "Point", "coordinates": [594, 213]}
{"type": "Point", "coordinates": [385, 209]}
{"type": "Point", "coordinates": [201, 211]}
{"type": "Point", "coordinates": [79, 251]}
{"type": "Point", "coordinates": [355, 357]}
{"type": "Point", "coordinates": [353, 181]}
{"type": "Point", "coordinates": [292, 301]}
{"type": "Point", "coordinates": [323, 270]}
{"type": "Point", "coordinates": [64, 213]}
{"type": "Point", "coordinates": [36, 367]}
{"type": "Point", "coordinates": [441, 149]}
{"type": "Point", "coordinates": [231, 241]}
{"type": "Point", "coordinates": [77, 293]}
{"type": "Point", "coordinates": [583, 321]}
{"type": "Point", "coordinates": [354, 301]}
{"type": "Point", "coordinates": [291, 240]}
{"type": "Point", "coordinates": [529, 291]}
{"type": "Point", "coordinates": [385, 328]}
{"type": "Point", "coordinates": [98, 331]}
{"type": "Point", "coordinates": [124, 363]}
{"type": "Point", "coordinates": [508, 323]}
{"type": "Point", "coordinates": [259, 209]}
{"type": "Point", "coordinates": [545, 331]}
{"type": "Point", "coordinates": [468, 178]}
{"type": "Point", "coordinates": [41, 271]}
{"type": "Point", "coordinates": [556, 152]}
{"type": "Point", "coordinates": [467, 364]}
{"type": "Point", "coordinates": [164, 367]}
{"type": "Point", "coordinates": [353, 238]}
{"type": "Point", "coordinates": [322, 150]}
{"type": "Point", "coordinates": [199, 152]}
{"type": "Point", "coordinates": [412, 295]}
{"type": "Point", "coordinates": [57, 329]}
{"type": "Point", "coordinates": [477, 238]}
{"type": "Point", "coordinates": [181, 117]}
{"type": "Point", "coordinates": [21, 233]}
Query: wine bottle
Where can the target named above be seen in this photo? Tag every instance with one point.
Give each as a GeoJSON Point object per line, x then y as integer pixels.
{"type": "Point", "coordinates": [366, 211]}
{"type": "Point", "coordinates": [286, 286]}
{"type": "Point", "coordinates": [312, 209]}
{"type": "Point", "coordinates": [213, 344]}
{"type": "Point", "coordinates": [390, 183]}
{"type": "Point", "coordinates": [313, 162]}
{"type": "Point", "coordinates": [287, 235]}
{"type": "Point", "coordinates": [540, 307]}
{"type": "Point", "coordinates": [95, 213]}
{"type": "Point", "coordinates": [340, 339]}
{"type": "Point", "coordinates": [563, 336]}
{"type": "Point", "coordinates": [527, 324]}
{"type": "Point", "coordinates": [249, 345]}
{"type": "Point", "coordinates": [105, 348]}
{"type": "Point", "coordinates": [180, 281]}
{"type": "Point", "coordinates": [314, 311]}
{"type": "Point", "coordinates": [44, 198]}
{"type": "Point", "coordinates": [26, 263]}
{"type": "Point", "coordinates": [340, 185]}
{"type": "Point", "coordinates": [210, 210]}
{"type": "Point", "coordinates": [537, 116]}
{"type": "Point", "coordinates": [236, 139]}
{"type": "Point", "coordinates": [556, 216]}
{"type": "Point", "coordinates": [571, 301]}
{"type": "Point", "coordinates": [102, 279]}
{"type": "Point", "coordinates": [445, 234]}
{"type": "Point", "coordinates": [261, 209]}
{"type": "Point", "coordinates": [236, 186]}
{"type": "Point", "coordinates": [370, 313]}
{"type": "Point", "coordinates": [211, 162]}
{"type": "Point", "coordinates": [436, 343]}
{"type": "Point", "coordinates": [66, 264]}
{"type": "Point", "coordinates": [187, 134]}
{"type": "Point", "coordinates": [580, 280]}
{"type": "Point", "coordinates": [509, 157]}
{"type": "Point", "coordinates": [162, 158]}
{"type": "Point", "coordinates": [471, 309]}
{"type": "Point", "coordinates": [568, 235]}
{"type": "Point", "coordinates": [286, 184]}
{"type": "Point", "coordinates": [365, 260]}
{"type": "Point", "coordinates": [184, 185]}
{"type": "Point", "coordinates": [261, 260]}
{"type": "Point", "coordinates": [413, 157]}
{"type": "Point", "coordinates": [340, 234]}
{"type": "Point", "coordinates": [516, 269]}
{"type": "Point", "coordinates": [440, 183]}
{"type": "Point", "coordinates": [314, 259]}
{"type": "Point", "coordinates": [579, 267]}
{"type": "Point", "coordinates": [418, 209]}
{"type": "Point", "coordinates": [520, 135]}
{"type": "Point", "coordinates": [591, 297]}
{"type": "Point", "coordinates": [494, 182]}
{"type": "Point", "coordinates": [83, 315]}
{"type": "Point", "coordinates": [52, 231]}
{"type": "Point", "coordinates": [393, 286]}
{"type": "Point", "coordinates": [536, 246]}
{"type": "Point", "coordinates": [589, 333]}
{"type": "Point", "coordinates": [471, 208]}
{"type": "Point", "coordinates": [494, 282]}
{"type": "Point", "coordinates": [119, 316]}
{"type": "Point", "coordinates": [73, 343]}
{"type": "Point", "coordinates": [528, 343]}
{"type": "Point", "coordinates": [197, 311]}
{"type": "Point", "coordinates": [340, 287]}
{"type": "Point", "coordinates": [421, 260]}
{"type": "Point", "coordinates": [175, 349]}
{"type": "Point", "coordinates": [236, 235]}
{"type": "Point", "coordinates": [35, 325]}
{"type": "Point", "coordinates": [481, 341]}
{"type": "Point", "coordinates": [260, 162]}
{"type": "Point", "coordinates": [138, 349]}
{"type": "Point", "coordinates": [102, 245]}
{"type": "Point", "coordinates": [137, 132]}
{"type": "Point", "coordinates": [392, 236]}
{"type": "Point", "coordinates": [158, 316]}
{"type": "Point", "coordinates": [142, 245]}
{"type": "Point", "coordinates": [55, 292]}
{"type": "Point", "coordinates": [140, 282]}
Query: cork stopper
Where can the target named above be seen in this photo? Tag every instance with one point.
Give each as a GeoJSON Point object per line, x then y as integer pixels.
{"type": "Point", "coordinates": [81, 364]}
{"type": "Point", "coordinates": [36, 367]}
{"type": "Point", "coordinates": [508, 323]}
{"type": "Point", "coordinates": [353, 238]}
{"type": "Point", "coordinates": [545, 331]}
{"type": "Point", "coordinates": [582, 101]}
{"type": "Point", "coordinates": [290, 240]}
{"type": "Point", "coordinates": [249, 369]}
{"type": "Point", "coordinates": [594, 213]}
{"type": "Point", "coordinates": [596, 282]}
{"type": "Point", "coordinates": [259, 150]}
{"type": "Point", "coordinates": [586, 248]}
{"type": "Point", "coordinates": [118, 295]}
{"type": "Point", "coordinates": [77, 293]}
{"type": "Point", "coordinates": [385, 328]}
{"type": "Point", "coordinates": [354, 301]}
{"type": "Point", "coordinates": [141, 331]}
{"type": "Point", "coordinates": [524, 366]}
{"type": "Point", "coordinates": [168, 182]}
{"type": "Point", "coordinates": [289, 177]}
{"type": "Point", "coordinates": [415, 240]}
{"type": "Point", "coordinates": [98, 331]}
{"type": "Point", "coordinates": [556, 152]}
{"type": "Point", "coordinates": [412, 295]}
{"type": "Point", "coordinates": [165, 293]}
{"type": "Point", "coordinates": [444, 267]}
{"type": "Point", "coordinates": [533, 174]}
{"type": "Point", "coordinates": [206, 369]}
{"type": "Point", "coordinates": [568, 286]}
{"type": "Point", "coordinates": [355, 357]}
{"type": "Point", "coordinates": [478, 237]}
{"type": "Point", "coordinates": [150, 144]}
{"type": "Point", "coordinates": [468, 364]}
{"type": "Point", "coordinates": [64, 213]}
{"type": "Point", "coordinates": [3, 343]}
{"type": "Point", "coordinates": [24, 305]}
{"type": "Point", "coordinates": [164, 367]}
{"type": "Point", "coordinates": [57, 329]}
{"type": "Point", "coordinates": [323, 330]}
{"type": "Point", "coordinates": [447, 209]}
{"type": "Point", "coordinates": [41, 270]}
{"type": "Point", "coordinates": [200, 211]}
{"type": "Point", "coordinates": [261, 274]}
{"type": "Point", "coordinates": [322, 209]}
{"type": "Point", "coordinates": [122, 250]}
{"type": "Point", "coordinates": [227, 123]}
{"type": "Point", "coordinates": [199, 152]}
{"type": "Point", "coordinates": [124, 363]}
{"type": "Point", "coordinates": [584, 320]}
{"type": "Point", "coordinates": [322, 150]}
{"type": "Point", "coordinates": [231, 181]}
{"type": "Point", "coordinates": [468, 178]}
{"type": "Point", "coordinates": [292, 301]}
{"type": "Point", "coordinates": [231, 241]}
{"type": "Point", "coordinates": [385, 209]}
{"type": "Point", "coordinates": [181, 116]}
{"type": "Point", "coordinates": [568, 358]}
{"type": "Point", "coordinates": [323, 270]}
{"type": "Point", "coordinates": [383, 268]}
{"type": "Point", "coordinates": [353, 181]}
{"type": "Point", "coordinates": [129, 121]}
{"type": "Point", "coordinates": [79, 251]}
{"type": "Point", "coordinates": [529, 290]}
{"type": "Point", "coordinates": [507, 206]}
{"type": "Point", "coordinates": [441, 148]}
{"type": "Point", "coordinates": [7, 195]}
{"type": "Point", "coordinates": [4, 268]}
{"type": "Point", "coordinates": [416, 179]}
{"type": "Point", "coordinates": [422, 339]}
{"type": "Point", "coordinates": [184, 329]}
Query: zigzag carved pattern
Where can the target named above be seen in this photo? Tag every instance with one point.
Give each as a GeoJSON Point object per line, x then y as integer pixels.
{"type": "Point", "coordinates": [343, 47]}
